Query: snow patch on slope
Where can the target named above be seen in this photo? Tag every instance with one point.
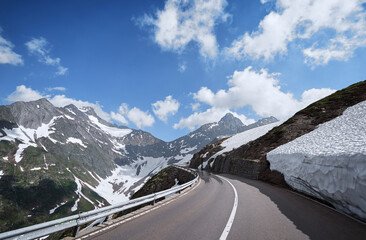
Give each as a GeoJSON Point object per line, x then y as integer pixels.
{"type": "Point", "coordinates": [36, 169]}
{"type": "Point", "coordinates": [107, 188]}
{"type": "Point", "coordinates": [187, 150]}
{"type": "Point", "coordinates": [28, 136]}
{"type": "Point", "coordinates": [122, 183]}
{"type": "Point", "coordinates": [244, 137]}
{"type": "Point", "coordinates": [77, 141]}
{"type": "Point", "coordinates": [70, 111]}
{"type": "Point", "coordinates": [43, 131]}
{"type": "Point", "coordinates": [18, 133]}
{"type": "Point", "coordinates": [113, 131]}
{"type": "Point", "coordinates": [183, 159]}
{"type": "Point", "coordinates": [68, 117]}
{"type": "Point", "coordinates": [57, 206]}
{"type": "Point", "coordinates": [80, 194]}
{"type": "Point", "coordinates": [329, 162]}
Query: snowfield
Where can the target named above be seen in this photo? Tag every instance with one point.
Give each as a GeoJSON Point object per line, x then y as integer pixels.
{"type": "Point", "coordinates": [113, 131]}
{"type": "Point", "coordinates": [129, 178]}
{"type": "Point", "coordinates": [244, 137]}
{"type": "Point", "coordinates": [76, 141]}
{"type": "Point", "coordinates": [240, 139]}
{"type": "Point", "coordinates": [329, 162]}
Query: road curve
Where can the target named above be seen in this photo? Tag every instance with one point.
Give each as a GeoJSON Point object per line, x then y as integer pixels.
{"type": "Point", "coordinates": [264, 212]}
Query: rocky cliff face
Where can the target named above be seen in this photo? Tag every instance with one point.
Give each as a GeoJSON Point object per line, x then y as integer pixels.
{"type": "Point", "coordinates": [249, 159]}
{"type": "Point", "coordinates": [33, 114]}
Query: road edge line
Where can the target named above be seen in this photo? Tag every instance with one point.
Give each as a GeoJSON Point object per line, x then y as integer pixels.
{"type": "Point", "coordinates": [230, 221]}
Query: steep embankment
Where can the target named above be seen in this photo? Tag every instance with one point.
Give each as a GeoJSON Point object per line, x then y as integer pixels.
{"type": "Point", "coordinates": [249, 160]}
{"type": "Point", "coordinates": [165, 179]}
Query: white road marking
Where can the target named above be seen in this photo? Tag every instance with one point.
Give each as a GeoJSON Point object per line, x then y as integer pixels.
{"type": "Point", "coordinates": [229, 223]}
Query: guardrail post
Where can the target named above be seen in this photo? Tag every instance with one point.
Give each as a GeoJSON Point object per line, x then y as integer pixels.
{"type": "Point", "coordinates": [77, 231]}
{"type": "Point", "coordinates": [78, 226]}
{"type": "Point", "coordinates": [154, 199]}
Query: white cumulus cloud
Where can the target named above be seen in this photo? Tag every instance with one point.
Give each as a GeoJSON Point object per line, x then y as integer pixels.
{"type": "Point", "coordinates": [185, 21]}
{"type": "Point", "coordinates": [313, 95]}
{"type": "Point", "coordinates": [7, 55]}
{"type": "Point", "coordinates": [164, 108]}
{"type": "Point", "coordinates": [22, 93]}
{"type": "Point", "coordinates": [118, 117]}
{"type": "Point", "coordinates": [258, 89]}
{"type": "Point", "coordinates": [210, 115]}
{"type": "Point", "coordinates": [39, 47]}
{"type": "Point", "coordinates": [299, 20]}
{"type": "Point", "coordinates": [138, 117]}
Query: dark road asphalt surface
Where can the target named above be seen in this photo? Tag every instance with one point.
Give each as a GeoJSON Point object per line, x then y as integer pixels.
{"type": "Point", "coordinates": [264, 212]}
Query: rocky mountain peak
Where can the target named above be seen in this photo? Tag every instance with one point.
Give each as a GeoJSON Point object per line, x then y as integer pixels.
{"type": "Point", "coordinates": [263, 121]}
{"type": "Point", "coordinates": [89, 111]}
{"type": "Point", "coordinates": [33, 114]}
{"type": "Point", "coordinates": [71, 107]}
{"type": "Point", "coordinates": [140, 138]}
{"type": "Point", "coordinates": [229, 121]}
{"type": "Point", "coordinates": [267, 120]}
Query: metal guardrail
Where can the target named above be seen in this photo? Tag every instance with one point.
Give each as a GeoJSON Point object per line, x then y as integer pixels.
{"type": "Point", "coordinates": [47, 228]}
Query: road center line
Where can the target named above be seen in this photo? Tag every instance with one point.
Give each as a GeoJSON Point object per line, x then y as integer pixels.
{"type": "Point", "coordinates": [229, 223]}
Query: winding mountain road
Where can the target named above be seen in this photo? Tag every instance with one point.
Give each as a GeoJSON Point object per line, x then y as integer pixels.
{"type": "Point", "coordinates": [263, 212]}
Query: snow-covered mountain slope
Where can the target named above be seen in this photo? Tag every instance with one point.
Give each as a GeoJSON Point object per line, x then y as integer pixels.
{"type": "Point", "coordinates": [211, 132]}
{"type": "Point", "coordinates": [80, 136]}
{"type": "Point", "coordinates": [329, 162]}
{"type": "Point", "coordinates": [140, 160]}
{"type": "Point", "coordinates": [113, 131]}
{"type": "Point", "coordinates": [233, 142]}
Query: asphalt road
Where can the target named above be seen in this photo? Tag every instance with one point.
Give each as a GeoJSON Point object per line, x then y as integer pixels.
{"type": "Point", "coordinates": [263, 212]}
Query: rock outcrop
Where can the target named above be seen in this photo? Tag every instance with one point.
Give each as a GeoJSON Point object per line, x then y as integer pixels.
{"type": "Point", "coordinates": [165, 179]}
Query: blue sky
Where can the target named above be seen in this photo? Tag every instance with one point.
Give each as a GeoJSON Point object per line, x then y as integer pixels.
{"type": "Point", "coordinates": [169, 66]}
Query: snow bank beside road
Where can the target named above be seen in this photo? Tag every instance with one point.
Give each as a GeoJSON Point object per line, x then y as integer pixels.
{"type": "Point", "coordinates": [329, 162]}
